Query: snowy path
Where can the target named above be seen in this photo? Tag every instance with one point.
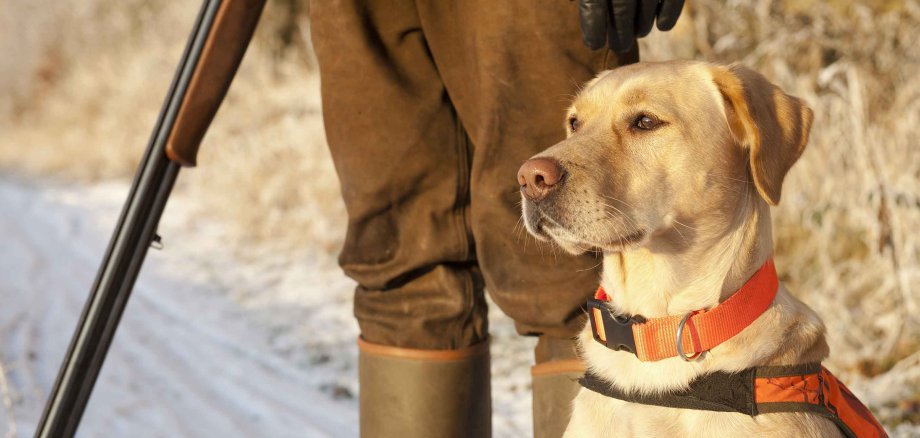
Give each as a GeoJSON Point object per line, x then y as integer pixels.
{"type": "Point", "coordinates": [210, 345]}
{"type": "Point", "coordinates": [184, 362]}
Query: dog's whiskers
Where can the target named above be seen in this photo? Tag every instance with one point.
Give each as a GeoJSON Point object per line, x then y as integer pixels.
{"type": "Point", "coordinates": [614, 198]}
{"type": "Point", "coordinates": [632, 222]}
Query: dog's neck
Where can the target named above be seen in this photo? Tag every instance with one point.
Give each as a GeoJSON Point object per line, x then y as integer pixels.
{"type": "Point", "coordinates": [690, 267]}
{"type": "Point", "coordinates": [698, 267]}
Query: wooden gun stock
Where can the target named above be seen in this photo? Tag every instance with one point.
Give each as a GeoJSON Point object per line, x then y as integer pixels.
{"type": "Point", "coordinates": [223, 50]}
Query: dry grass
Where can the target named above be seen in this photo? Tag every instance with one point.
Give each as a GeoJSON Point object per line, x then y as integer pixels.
{"type": "Point", "coordinates": [88, 82]}
{"type": "Point", "coordinates": [82, 81]}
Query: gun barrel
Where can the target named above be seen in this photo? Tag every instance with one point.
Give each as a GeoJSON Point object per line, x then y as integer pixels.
{"type": "Point", "coordinates": [137, 225]}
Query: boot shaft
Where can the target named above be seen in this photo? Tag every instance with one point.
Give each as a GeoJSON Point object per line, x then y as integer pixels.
{"type": "Point", "coordinates": [409, 393]}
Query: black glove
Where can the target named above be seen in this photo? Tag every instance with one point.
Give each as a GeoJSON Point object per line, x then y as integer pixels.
{"type": "Point", "coordinates": [620, 22]}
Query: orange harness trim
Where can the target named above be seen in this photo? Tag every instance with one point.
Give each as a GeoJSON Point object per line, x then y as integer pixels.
{"type": "Point", "coordinates": [762, 390]}
{"type": "Point", "coordinates": [821, 391]}
{"type": "Point", "coordinates": [655, 339]}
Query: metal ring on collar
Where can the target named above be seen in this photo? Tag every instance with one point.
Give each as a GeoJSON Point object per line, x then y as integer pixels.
{"type": "Point", "coordinates": [680, 333]}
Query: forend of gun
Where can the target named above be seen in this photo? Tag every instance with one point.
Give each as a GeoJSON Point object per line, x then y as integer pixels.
{"type": "Point", "coordinates": [206, 81]}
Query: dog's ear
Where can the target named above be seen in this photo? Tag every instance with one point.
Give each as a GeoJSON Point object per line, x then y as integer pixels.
{"type": "Point", "coordinates": [771, 124]}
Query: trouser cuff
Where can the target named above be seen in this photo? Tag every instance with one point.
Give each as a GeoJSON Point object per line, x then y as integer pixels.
{"type": "Point", "coordinates": [479, 349]}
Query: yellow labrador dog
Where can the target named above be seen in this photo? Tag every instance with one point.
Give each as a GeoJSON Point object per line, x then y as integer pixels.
{"type": "Point", "coordinates": [670, 169]}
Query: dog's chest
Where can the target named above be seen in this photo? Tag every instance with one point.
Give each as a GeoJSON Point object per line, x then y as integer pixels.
{"type": "Point", "coordinates": [595, 415]}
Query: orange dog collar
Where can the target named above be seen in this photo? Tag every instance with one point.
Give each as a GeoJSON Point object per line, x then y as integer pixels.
{"type": "Point", "coordinates": [687, 335]}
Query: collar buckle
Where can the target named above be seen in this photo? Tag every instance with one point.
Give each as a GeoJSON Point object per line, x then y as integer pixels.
{"type": "Point", "coordinates": [614, 332]}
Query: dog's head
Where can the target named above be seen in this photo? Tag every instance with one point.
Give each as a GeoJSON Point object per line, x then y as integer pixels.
{"type": "Point", "coordinates": [655, 147]}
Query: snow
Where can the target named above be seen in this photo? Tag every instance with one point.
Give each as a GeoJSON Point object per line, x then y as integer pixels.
{"type": "Point", "coordinates": [185, 362]}
{"type": "Point", "coordinates": [209, 345]}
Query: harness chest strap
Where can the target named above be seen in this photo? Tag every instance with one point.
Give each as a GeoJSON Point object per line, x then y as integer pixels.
{"type": "Point", "coordinates": [656, 338]}
{"type": "Point", "coordinates": [754, 391]}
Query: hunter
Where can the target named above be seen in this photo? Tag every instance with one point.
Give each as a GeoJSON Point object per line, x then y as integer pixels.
{"type": "Point", "coordinates": [430, 107]}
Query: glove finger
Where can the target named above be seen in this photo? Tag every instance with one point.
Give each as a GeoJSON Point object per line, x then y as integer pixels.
{"type": "Point", "coordinates": [593, 15]}
{"type": "Point", "coordinates": [668, 14]}
{"type": "Point", "coordinates": [623, 19]}
{"type": "Point", "coordinates": [614, 41]}
{"type": "Point", "coordinates": [646, 17]}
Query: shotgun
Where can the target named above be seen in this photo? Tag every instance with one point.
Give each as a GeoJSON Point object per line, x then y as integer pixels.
{"type": "Point", "coordinates": [214, 50]}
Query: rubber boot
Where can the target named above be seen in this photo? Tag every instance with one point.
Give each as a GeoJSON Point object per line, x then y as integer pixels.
{"type": "Point", "coordinates": [555, 384]}
{"type": "Point", "coordinates": [408, 393]}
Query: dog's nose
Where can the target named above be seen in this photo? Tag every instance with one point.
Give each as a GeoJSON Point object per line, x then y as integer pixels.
{"type": "Point", "coordinates": [538, 177]}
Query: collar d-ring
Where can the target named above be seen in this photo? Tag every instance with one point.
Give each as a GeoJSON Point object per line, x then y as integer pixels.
{"type": "Point", "coordinates": [680, 333]}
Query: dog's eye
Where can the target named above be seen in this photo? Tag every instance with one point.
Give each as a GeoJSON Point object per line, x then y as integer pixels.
{"type": "Point", "coordinates": [574, 123]}
{"type": "Point", "coordinates": [646, 122]}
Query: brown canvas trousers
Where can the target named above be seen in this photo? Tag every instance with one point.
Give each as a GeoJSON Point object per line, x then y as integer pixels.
{"type": "Point", "coordinates": [430, 107]}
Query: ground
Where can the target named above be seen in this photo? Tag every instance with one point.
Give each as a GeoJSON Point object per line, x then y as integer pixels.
{"type": "Point", "coordinates": [208, 346]}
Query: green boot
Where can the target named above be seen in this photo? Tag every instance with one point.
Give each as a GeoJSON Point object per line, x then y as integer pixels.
{"type": "Point", "coordinates": [555, 384]}
{"type": "Point", "coordinates": [409, 393]}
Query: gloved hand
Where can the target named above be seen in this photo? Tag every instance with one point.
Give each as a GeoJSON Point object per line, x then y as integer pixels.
{"type": "Point", "coordinates": [620, 22]}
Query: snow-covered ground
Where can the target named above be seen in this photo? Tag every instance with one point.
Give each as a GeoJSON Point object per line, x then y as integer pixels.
{"type": "Point", "coordinates": [186, 360]}
{"type": "Point", "coordinates": [211, 344]}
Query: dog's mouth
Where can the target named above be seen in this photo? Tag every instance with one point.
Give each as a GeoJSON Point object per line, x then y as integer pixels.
{"type": "Point", "coordinates": [545, 228]}
{"type": "Point", "coordinates": [622, 243]}
{"type": "Point", "coordinates": [538, 227]}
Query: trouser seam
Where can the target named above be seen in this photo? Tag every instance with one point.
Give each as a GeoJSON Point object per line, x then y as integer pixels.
{"type": "Point", "coordinates": [463, 183]}
{"type": "Point", "coordinates": [462, 206]}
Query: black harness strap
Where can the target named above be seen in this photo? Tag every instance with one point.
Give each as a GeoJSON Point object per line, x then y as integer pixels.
{"type": "Point", "coordinates": [721, 391]}
{"type": "Point", "coordinates": [718, 391]}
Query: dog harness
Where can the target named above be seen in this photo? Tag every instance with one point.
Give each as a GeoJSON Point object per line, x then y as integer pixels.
{"type": "Point", "coordinates": [754, 391]}
{"type": "Point", "coordinates": [763, 390]}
